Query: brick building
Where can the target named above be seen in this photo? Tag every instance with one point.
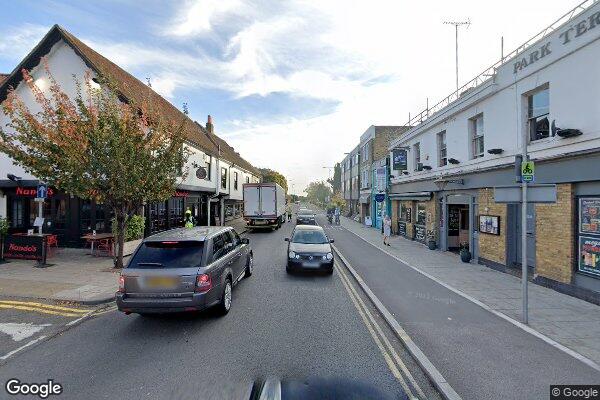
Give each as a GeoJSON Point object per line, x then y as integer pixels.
{"type": "Point", "coordinates": [454, 183]}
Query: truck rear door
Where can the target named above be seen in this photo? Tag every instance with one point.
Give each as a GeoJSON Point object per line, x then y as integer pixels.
{"type": "Point", "coordinates": [268, 200]}
{"type": "Point", "coordinates": [251, 201]}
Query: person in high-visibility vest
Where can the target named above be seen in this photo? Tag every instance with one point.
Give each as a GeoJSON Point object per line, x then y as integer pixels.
{"type": "Point", "coordinates": [189, 220]}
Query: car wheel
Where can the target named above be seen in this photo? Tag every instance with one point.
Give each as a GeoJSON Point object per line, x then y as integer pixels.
{"type": "Point", "coordinates": [288, 269]}
{"type": "Point", "coordinates": [249, 266]}
{"type": "Point", "coordinates": [329, 271]}
{"type": "Point", "coordinates": [225, 304]}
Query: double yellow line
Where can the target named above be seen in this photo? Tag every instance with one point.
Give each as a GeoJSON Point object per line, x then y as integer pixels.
{"type": "Point", "coordinates": [42, 308]}
{"type": "Point", "coordinates": [392, 359]}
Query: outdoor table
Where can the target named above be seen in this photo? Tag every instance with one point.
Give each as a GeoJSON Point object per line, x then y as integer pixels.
{"type": "Point", "coordinates": [96, 238]}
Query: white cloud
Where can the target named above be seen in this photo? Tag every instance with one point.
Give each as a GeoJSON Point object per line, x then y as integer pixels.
{"type": "Point", "coordinates": [198, 16]}
{"type": "Point", "coordinates": [16, 43]}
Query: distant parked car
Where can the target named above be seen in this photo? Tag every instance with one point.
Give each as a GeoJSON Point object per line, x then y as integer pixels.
{"type": "Point", "coordinates": [305, 217]}
{"type": "Point", "coordinates": [309, 248]}
{"type": "Point", "coordinates": [184, 270]}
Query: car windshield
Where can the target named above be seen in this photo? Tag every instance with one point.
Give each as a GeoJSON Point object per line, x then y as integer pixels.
{"type": "Point", "coordinates": [167, 254]}
{"type": "Point", "coordinates": [306, 213]}
{"type": "Point", "coordinates": [309, 237]}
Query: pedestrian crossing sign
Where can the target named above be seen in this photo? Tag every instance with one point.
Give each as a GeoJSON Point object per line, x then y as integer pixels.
{"type": "Point", "coordinates": [528, 171]}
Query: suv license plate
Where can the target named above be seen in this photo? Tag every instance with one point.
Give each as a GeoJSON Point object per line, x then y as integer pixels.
{"type": "Point", "coordinates": [311, 264]}
{"type": "Point", "coordinates": [161, 282]}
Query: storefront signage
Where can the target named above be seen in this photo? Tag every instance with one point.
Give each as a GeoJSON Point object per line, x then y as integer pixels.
{"type": "Point", "coordinates": [589, 255]}
{"type": "Point", "coordinates": [574, 31]}
{"type": "Point", "coordinates": [381, 178]}
{"type": "Point", "coordinates": [489, 224]}
{"type": "Point", "coordinates": [402, 228]}
{"type": "Point", "coordinates": [24, 247]}
{"type": "Point", "coordinates": [379, 197]}
{"type": "Point", "coordinates": [181, 194]}
{"type": "Point", "coordinates": [399, 161]}
{"type": "Point", "coordinates": [589, 216]}
{"type": "Point", "coordinates": [420, 233]}
{"type": "Point", "coordinates": [201, 173]}
{"type": "Point", "coordinates": [32, 192]}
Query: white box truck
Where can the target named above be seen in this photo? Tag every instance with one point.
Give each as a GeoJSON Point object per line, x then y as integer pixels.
{"type": "Point", "coordinates": [264, 205]}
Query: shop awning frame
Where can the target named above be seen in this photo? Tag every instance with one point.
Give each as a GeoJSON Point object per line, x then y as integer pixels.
{"type": "Point", "coordinates": [419, 196]}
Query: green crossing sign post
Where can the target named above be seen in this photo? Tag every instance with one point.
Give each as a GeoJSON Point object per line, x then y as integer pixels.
{"type": "Point", "coordinates": [528, 171]}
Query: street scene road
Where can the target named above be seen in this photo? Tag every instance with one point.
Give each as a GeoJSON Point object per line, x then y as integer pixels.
{"type": "Point", "coordinates": [290, 326]}
{"type": "Point", "coordinates": [224, 199]}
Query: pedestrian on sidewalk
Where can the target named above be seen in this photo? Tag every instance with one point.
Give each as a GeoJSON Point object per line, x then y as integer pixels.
{"type": "Point", "coordinates": [288, 209]}
{"type": "Point", "coordinates": [387, 229]}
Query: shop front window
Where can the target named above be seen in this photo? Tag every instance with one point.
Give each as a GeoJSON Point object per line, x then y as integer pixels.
{"type": "Point", "coordinates": [176, 212]}
{"type": "Point", "coordinates": [85, 215]}
{"type": "Point", "coordinates": [18, 213]}
{"type": "Point", "coordinates": [60, 214]}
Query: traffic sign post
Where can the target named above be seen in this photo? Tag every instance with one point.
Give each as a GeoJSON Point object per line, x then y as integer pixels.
{"type": "Point", "coordinates": [42, 193]}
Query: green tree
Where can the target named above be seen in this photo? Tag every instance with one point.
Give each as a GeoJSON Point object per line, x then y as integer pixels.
{"type": "Point", "coordinates": [97, 145]}
{"type": "Point", "coordinates": [336, 181]}
{"type": "Point", "coordinates": [318, 193]}
{"type": "Point", "coordinates": [268, 175]}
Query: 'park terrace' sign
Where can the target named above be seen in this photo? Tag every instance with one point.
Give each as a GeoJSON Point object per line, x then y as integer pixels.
{"type": "Point", "coordinates": [574, 31]}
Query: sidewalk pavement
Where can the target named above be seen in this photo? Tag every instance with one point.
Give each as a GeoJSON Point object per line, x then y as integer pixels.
{"type": "Point", "coordinates": [572, 322]}
{"type": "Point", "coordinates": [73, 275]}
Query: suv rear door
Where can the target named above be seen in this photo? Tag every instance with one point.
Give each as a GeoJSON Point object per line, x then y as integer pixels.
{"type": "Point", "coordinates": [164, 268]}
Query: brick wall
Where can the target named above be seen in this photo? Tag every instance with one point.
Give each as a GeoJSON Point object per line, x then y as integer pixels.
{"type": "Point", "coordinates": [492, 247]}
{"type": "Point", "coordinates": [383, 137]}
{"type": "Point", "coordinates": [555, 237]}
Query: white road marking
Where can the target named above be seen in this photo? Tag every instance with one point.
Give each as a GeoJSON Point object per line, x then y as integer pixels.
{"type": "Point", "coordinates": [34, 341]}
{"type": "Point", "coordinates": [20, 331]}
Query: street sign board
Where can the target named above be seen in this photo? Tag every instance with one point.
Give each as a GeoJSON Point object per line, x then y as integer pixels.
{"type": "Point", "coordinates": [42, 191]}
{"type": "Point", "coordinates": [528, 171]}
{"type": "Point", "coordinates": [379, 197]}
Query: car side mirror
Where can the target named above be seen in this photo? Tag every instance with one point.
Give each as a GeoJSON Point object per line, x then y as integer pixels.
{"type": "Point", "coordinates": [331, 240]}
{"type": "Point", "coordinates": [286, 239]}
{"type": "Point", "coordinates": [245, 241]}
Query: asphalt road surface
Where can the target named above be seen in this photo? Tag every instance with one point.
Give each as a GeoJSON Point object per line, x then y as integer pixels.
{"type": "Point", "coordinates": [289, 326]}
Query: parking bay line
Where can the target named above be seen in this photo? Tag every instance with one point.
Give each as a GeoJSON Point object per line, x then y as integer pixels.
{"type": "Point", "coordinates": [388, 344]}
{"type": "Point", "coordinates": [384, 353]}
{"type": "Point", "coordinates": [34, 341]}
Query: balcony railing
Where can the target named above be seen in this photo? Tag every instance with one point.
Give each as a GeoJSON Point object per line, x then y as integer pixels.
{"type": "Point", "coordinates": [490, 72]}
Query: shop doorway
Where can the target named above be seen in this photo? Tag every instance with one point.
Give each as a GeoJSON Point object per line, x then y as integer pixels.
{"type": "Point", "coordinates": [458, 226]}
{"type": "Point", "coordinates": [514, 215]}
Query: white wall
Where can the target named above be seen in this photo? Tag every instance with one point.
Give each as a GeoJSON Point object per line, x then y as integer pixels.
{"type": "Point", "coordinates": [570, 70]}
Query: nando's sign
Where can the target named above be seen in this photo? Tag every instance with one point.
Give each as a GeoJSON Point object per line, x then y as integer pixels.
{"type": "Point", "coordinates": [31, 192]}
{"type": "Point", "coordinates": [565, 37]}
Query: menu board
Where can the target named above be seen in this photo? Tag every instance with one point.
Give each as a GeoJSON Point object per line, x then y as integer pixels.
{"type": "Point", "coordinates": [589, 216]}
{"type": "Point", "coordinates": [453, 221]}
{"type": "Point", "coordinates": [402, 228]}
{"type": "Point", "coordinates": [489, 224]}
{"type": "Point", "coordinates": [589, 255]}
{"type": "Point", "coordinates": [420, 233]}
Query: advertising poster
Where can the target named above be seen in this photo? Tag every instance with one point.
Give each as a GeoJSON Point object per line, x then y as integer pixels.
{"type": "Point", "coordinates": [589, 216]}
{"type": "Point", "coordinates": [489, 224]}
{"type": "Point", "coordinates": [402, 228]}
{"type": "Point", "coordinates": [589, 255]}
{"type": "Point", "coordinates": [400, 162]}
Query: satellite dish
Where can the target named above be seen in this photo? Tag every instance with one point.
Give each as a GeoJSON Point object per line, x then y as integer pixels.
{"type": "Point", "coordinates": [201, 173]}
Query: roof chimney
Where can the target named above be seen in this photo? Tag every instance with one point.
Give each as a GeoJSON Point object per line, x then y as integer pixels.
{"type": "Point", "coordinates": [209, 125]}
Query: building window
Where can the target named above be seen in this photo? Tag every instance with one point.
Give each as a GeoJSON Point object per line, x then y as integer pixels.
{"type": "Point", "coordinates": [224, 178]}
{"type": "Point", "coordinates": [247, 179]}
{"type": "Point", "coordinates": [417, 156]}
{"type": "Point", "coordinates": [208, 168]}
{"type": "Point", "coordinates": [477, 136]}
{"type": "Point", "coordinates": [17, 213]}
{"type": "Point", "coordinates": [235, 181]}
{"type": "Point", "coordinates": [442, 151]}
{"type": "Point", "coordinates": [538, 109]}
{"type": "Point", "coordinates": [365, 151]}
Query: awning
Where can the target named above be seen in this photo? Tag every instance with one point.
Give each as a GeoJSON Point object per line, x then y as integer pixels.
{"type": "Point", "coordinates": [420, 196]}
{"type": "Point", "coordinates": [365, 199]}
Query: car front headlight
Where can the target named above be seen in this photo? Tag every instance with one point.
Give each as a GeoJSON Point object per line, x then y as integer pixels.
{"type": "Point", "coordinates": [292, 254]}
{"type": "Point", "coordinates": [329, 256]}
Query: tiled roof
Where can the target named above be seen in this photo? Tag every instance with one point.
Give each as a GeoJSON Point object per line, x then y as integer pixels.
{"type": "Point", "coordinates": [133, 89]}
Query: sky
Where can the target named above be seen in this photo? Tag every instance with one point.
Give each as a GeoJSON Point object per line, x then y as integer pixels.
{"type": "Point", "coordinates": [291, 85]}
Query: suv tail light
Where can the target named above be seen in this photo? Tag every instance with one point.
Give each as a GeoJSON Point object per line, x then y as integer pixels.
{"type": "Point", "coordinates": [121, 284]}
{"type": "Point", "coordinates": [203, 283]}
